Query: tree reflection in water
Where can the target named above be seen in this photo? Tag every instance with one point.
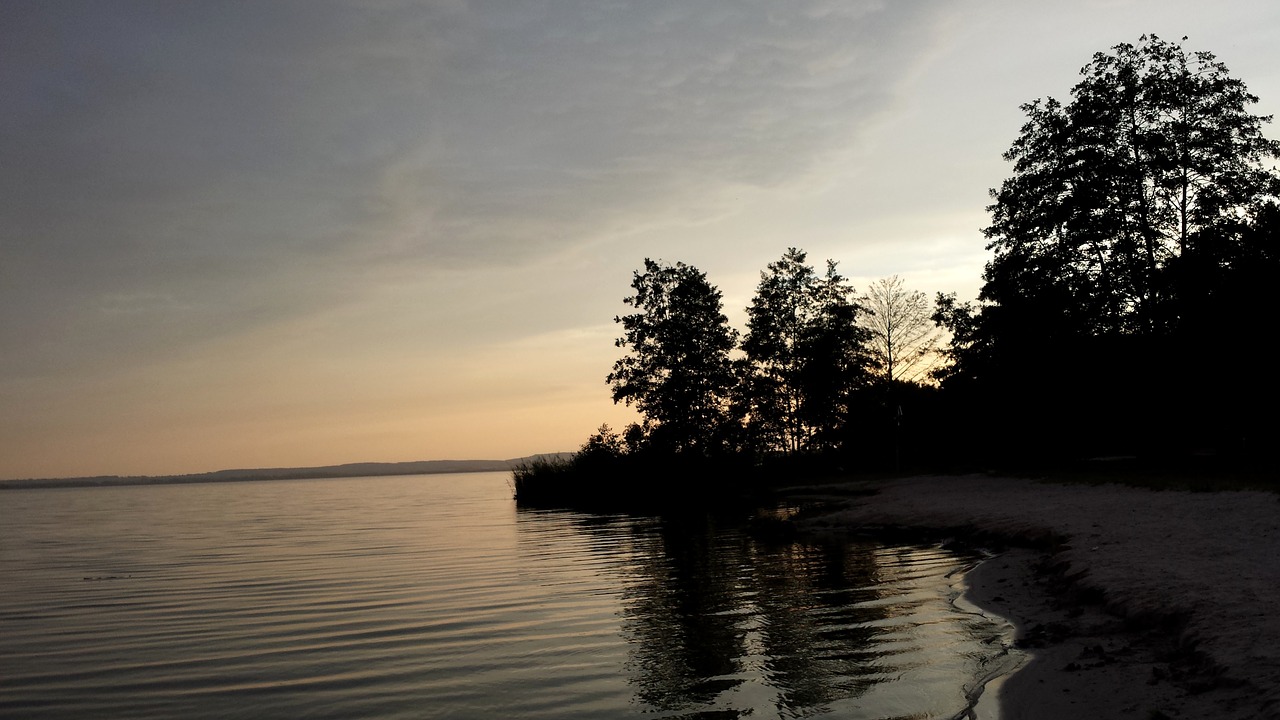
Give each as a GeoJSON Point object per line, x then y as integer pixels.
{"type": "Point", "coordinates": [722, 622]}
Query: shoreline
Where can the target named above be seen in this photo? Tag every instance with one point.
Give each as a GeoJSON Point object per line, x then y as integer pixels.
{"type": "Point", "coordinates": [1075, 661]}
{"type": "Point", "coordinates": [1129, 603]}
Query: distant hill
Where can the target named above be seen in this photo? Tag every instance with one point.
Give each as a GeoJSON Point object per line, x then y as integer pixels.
{"type": "Point", "coordinates": [420, 467]}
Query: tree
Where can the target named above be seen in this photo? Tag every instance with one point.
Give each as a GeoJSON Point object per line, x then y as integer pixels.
{"type": "Point", "coordinates": [1128, 218]}
{"type": "Point", "coordinates": [804, 352]}
{"type": "Point", "coordinates": [677, 372]}
{"type": "Point", "coordinates": [966, 351]}
{"type": "Point", "coordinates": [605, 446]}
{"type": "Point", "coordinates": [903, 338]}
{"type": "Point", "coordinates": [1155, 159]}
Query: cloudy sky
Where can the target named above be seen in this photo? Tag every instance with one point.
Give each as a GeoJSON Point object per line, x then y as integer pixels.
{"type": "Point", "coordinates": [240, 234]}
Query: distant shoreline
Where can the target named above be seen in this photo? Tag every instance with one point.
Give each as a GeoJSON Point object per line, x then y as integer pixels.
{"type": "Point", "coordinates": [369, 469]}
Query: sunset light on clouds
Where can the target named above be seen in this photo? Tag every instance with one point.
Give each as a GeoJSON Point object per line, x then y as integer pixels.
{"type": "Point", "coordinates": [307, 233]}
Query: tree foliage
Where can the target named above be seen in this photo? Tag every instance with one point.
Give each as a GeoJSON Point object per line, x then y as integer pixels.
{"type": "Point", "coordinates": [1134, 213]}
{"type": "Point", "coordinates": [804, 356]}
{"type": "Point", "coordinates": [903, 340]}
{"type": "Point", "coordinates": [677, 371]}
{"type": "Point", "coordinates": [1153, 167]}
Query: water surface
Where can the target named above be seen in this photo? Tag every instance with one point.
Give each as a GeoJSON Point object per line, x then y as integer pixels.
{"type": "Point", "coordinates": [434, 597]}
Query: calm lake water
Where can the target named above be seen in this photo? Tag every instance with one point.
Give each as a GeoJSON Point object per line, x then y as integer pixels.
{"type": "Point", "coordinates": [434, 597]}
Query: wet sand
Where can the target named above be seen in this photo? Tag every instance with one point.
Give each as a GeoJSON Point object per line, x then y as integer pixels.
{"type": "Point", "coordinates": [1129, 603]}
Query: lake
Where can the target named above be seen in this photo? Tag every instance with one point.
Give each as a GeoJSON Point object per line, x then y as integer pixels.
{"type": "Point", "coordinates": [433, 596]}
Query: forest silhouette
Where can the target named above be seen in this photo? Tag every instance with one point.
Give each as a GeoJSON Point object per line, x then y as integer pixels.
{"type": "Point", "coordinates": [1123, 313]}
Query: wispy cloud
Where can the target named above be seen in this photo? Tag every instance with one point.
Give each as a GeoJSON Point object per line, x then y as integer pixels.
{"type": "Point", "coordinates": [254, 161]}
{"type": "Point", "coordinates": [181, 181]}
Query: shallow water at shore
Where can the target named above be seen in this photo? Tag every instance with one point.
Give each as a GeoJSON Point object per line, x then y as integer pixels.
{"type": "Point", "coordinates": [433, 596]}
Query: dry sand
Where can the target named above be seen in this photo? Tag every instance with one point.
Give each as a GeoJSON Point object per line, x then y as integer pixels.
{"type": "Point", "coordinates": [1130, 603]}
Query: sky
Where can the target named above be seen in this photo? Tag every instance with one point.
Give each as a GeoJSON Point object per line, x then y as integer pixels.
{"type": "Point", "coordinates": [274, 234]}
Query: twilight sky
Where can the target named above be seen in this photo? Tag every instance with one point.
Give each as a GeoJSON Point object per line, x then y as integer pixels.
{"type": "Point", "coordinates": [241, 234]}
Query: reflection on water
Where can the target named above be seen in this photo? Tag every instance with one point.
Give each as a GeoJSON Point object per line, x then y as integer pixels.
{"type": "Point", "coordinates": [433, 597]}
{"type": "Point", "coordinates": [721, 622]}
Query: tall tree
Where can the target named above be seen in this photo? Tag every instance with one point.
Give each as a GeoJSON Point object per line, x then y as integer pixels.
{"type": "Point", "coordinates": [677, 371]}
{"type": "Point", "coordinates": [1129, 214]}
{"type": "Point", "coordinates": [904, 340]}
{"type": "Point", "coordinates": [1156, 158]}
{"type": "Point", "coordinates": [804, 352]}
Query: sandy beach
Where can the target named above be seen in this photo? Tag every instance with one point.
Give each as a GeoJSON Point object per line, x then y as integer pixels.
{"type": "Point", "coordinates": [1129, 603]}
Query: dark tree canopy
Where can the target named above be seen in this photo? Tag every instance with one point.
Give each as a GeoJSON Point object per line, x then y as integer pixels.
{"type": "Point", "coordinates": [677, 372]}
{"type": "Point", "coordinates": [805, 355]}
{"type": "Point", "coordinates": [1155, 162]}
{"type": "Point", "coordinates": [1134, 216]}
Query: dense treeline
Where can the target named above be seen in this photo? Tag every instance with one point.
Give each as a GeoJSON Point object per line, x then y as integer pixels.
{"type": "Point", "coordinates": [1134, 247]}
{"type": "Point", "coordinates": [1124, 311]}
{"type": "Point", "coordinates": [811, 385]}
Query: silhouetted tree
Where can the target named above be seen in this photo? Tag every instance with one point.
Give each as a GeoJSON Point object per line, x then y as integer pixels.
{"type": "Point", "coordinates": [606, 445]}
{"type": "Point", "coordinates": [965, 352]}
{"type": "Point", "coordinates": [1128, 214]}
{"type": "Point", "coordinates": [1156, 157]}
{"type": "Point", "coordinates": [805, 355]}
{"type": "Point", "coordinates": [677, 371]}
{"type": "Point", "coordinates": [904, 342]}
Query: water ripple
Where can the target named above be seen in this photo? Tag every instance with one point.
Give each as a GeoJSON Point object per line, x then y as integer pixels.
{"type": "Point", "coordinates": [433, 597]}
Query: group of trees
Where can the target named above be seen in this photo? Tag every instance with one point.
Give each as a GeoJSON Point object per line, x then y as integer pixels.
{"type": "Point", "coordinates": [1133, 250]}
{"type": "Point", "coordinates": [804, 358]}
{"type": "Point", "coordinates": [1123, 309]}
{"type": "Point", "coordinates": [812, 354]}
